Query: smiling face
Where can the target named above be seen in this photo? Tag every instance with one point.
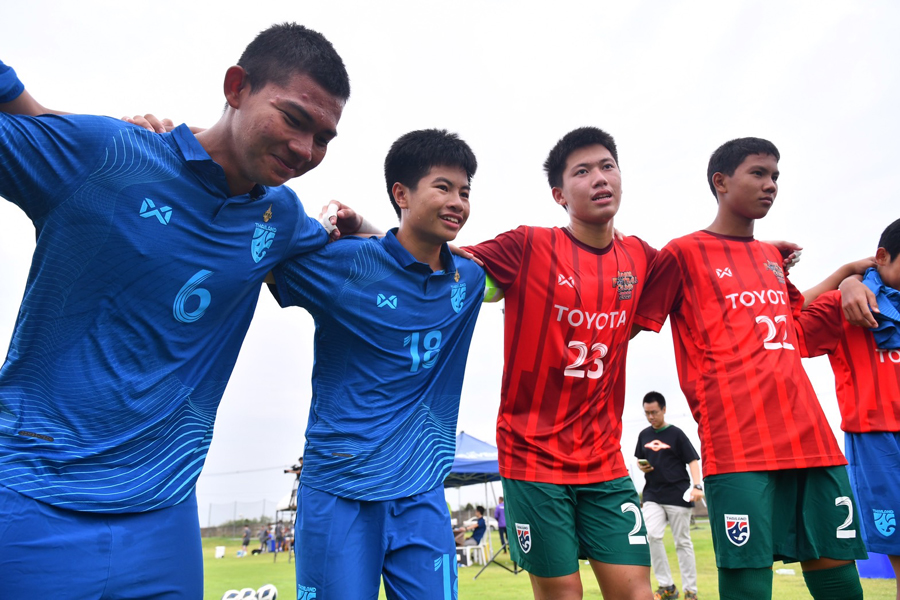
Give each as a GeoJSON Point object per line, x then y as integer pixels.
{"type": "Point", "coordinates": [437, 208]}
{"type": "Point", "coordinates": [749, 193]}
{"type": "Point", "coordinates": [281, 131]}
{"type": "Point", "coordinates": [591, 185]}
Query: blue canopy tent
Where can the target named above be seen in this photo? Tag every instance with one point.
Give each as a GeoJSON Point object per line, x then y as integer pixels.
{"type": "Point", "coordinates": [475, 461]}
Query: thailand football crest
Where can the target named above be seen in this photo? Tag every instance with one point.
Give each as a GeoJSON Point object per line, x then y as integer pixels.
{"type": "Point", "coordinates": [523, 533]}
{"type": "Point", "coordinates": [263, 237]}
{"type": "Point", "coordinates": [737, 528]}
{"type": "Point", "coordinates": [884, 521]}
{"type": "Point", "coordinates": [457, 295]}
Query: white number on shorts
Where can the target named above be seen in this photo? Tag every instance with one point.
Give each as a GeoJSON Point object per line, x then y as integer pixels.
{"type": "Point", "coordinates": [632, 538]}
{"type": "Point", "coordinates": [575, 370]}
{"type": "Point", "coordinates": [768, 344]}
{"type": "Point", "coordinates": [842, 531]}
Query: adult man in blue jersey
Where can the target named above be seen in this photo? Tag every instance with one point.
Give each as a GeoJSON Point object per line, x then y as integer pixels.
{"type": "Point", "coordinates": [150, 252]}
{"type": "Point", "coordinates": [394, 319]}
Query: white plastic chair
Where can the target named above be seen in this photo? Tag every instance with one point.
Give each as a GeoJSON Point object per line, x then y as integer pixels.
{"type": "Point", "coordinates": [477, 553]}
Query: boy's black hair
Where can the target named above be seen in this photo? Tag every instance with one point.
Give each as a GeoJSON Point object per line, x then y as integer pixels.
{"type": "Point", "coordinates": [890, 239]}
{"type": "Point", "coordinates": [417, 152]}
{"type": "Point", "coordinates": [651, 397]}
{"type": "Point", "coordinates": [729, 156]}
{"type": "Point", "coordinates": [288, 49]}
{"type": "Point", "coordinates": [480, 509]}
{"type": "Point", "coordinates": [569, 143]}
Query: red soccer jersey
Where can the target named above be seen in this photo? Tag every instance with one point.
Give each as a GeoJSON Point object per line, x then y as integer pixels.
{"type": "Point", "coordinates": [569, 310]}
{"type": "Point", "coordinates": [867, 378]}
{"type": "Point", "coordinates": [737, 354]}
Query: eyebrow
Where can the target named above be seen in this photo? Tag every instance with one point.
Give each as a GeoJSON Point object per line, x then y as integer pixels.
{"type": "Point", "coordinates": [602, 161]}
{"type": "Point", "coordinates": [305, 114]}
{"type": "Point", "coordinates": [448, 182]}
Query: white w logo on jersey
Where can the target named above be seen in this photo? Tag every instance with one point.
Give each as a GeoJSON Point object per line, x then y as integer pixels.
{"type": "Point", "coordinates": [726, 272]}
{"type": "Point", "coordinates": [563, 280]}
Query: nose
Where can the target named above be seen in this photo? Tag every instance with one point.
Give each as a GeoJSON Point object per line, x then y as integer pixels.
{"type": "Point", "coordinates": [600, 179]}
{"type": "Point", "coordinates": [771, 185]}
{"type": "Point", "coordinates": [302, 146]}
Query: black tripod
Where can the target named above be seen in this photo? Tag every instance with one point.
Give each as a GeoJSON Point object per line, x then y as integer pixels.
{"type": "Point", "coordinates": [515, 570]}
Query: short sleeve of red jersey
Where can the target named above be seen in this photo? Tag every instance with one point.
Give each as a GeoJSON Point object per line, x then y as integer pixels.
{"type": "Point", "coordinates": [820, 325]}
{"type": "Point", "coordinates": [795, 298]}
{"type": "Point", "coordinates": [502, 256]}
{"type": "Point", "coordinates": [663, 292]}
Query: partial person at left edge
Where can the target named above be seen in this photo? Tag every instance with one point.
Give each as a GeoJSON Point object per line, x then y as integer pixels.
{"type": "Point", "coordinates": [149, 258]}
{"type": "Point", "coordinates": [15, 99]}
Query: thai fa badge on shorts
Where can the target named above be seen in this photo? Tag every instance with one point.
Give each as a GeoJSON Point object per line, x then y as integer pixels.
{"type": "Point", "coordinates": [737, 528]}
{"type": "Point", "coordinates": [884, 521]}
{"type": "Point", "coordinates": [523, 534]}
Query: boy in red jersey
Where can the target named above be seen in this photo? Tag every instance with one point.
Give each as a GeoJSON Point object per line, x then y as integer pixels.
{"type": "Point", "coordinates": [866, 366]}
{"type": "Point", "coordinates": [570, 298]}
{"type": "Point", "coordinates": [775, 482]}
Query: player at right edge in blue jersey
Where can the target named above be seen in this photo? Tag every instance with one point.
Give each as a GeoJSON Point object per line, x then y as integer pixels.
{"type": "Point", "coordinates": [394, 319]}
{"type": "Point", "coordinates": [151, 250]}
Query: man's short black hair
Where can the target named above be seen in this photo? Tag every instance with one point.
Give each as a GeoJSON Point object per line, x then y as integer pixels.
{"type": "Point", "coordinates": [890, 239]}
{"type": "Point", "coordinates": [651, 397]}
{"type": "Point", "coordinates": [569, 143]}
{"type": "Point", "coordinates": [288, 49]}
{"type": "Point", "coordinates": [417, 152]}
{"type": "Point", "coordinates": [729, 156]}
{"type": "Point", "coordinates": [480, 509]}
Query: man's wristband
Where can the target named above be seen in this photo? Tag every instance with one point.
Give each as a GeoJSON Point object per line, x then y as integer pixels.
{"type": "Point", "coordinates": [698, 486]}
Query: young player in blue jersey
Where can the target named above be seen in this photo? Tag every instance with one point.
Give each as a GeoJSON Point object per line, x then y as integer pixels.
{"type": "Point", "coordinates": [150, 253]}
{"type": "Point", "coordinates": [394, 319]}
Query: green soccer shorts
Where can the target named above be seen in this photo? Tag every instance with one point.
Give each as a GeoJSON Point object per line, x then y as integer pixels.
{"type": "Point", "coordinates": [551, 526]}
{"type": "Point", "coordinates": [792, 515]}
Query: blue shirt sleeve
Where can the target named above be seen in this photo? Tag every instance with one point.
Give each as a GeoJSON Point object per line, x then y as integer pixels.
{"type": "Point", "coordinates": [44, 160]}
{"type": "Point", "coordinates": [10, 86]}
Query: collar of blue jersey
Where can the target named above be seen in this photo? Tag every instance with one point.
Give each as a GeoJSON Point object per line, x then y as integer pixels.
{"type": "Point", "coordinates": [887, 334]}
{"type": "Point", "coordinates": [193, 151]}
{"type": "Point", "coordinates": [393, 247]}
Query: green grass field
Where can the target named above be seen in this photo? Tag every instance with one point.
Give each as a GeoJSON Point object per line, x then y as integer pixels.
{"type": "Point", "coordinates": [495, 583]}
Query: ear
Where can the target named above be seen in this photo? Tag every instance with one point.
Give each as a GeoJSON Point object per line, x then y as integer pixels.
{"type": "Point", "coordinates": [401, 195]}
{"type": "Point", "coordinates": [882, 257]}
{"type": "Point", "coordinates": [558, 197]}
{"type": "Point", "coordinates": [236, 86]}
{"type": "Point", "coordinates": [720, 182]}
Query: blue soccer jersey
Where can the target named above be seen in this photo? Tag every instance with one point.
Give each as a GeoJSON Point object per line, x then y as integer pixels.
{"type": "Point", "coordinates": [10, 86]}
{"type": "Point", "coordinates": [391, 344]}
{"type": "Point", "coordinates": [142, 286]}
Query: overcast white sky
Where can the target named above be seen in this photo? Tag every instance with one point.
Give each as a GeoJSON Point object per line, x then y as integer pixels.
{"type": "Point", "coordinates": [670, 80]}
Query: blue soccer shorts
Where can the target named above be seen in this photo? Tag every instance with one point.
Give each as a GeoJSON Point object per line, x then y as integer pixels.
{"type": "Point", "coordinates": [344, 547]}
{"type": "Point", "coordinates": [874, 471]}
{"type": "Point", "coordinates": [48, 552]}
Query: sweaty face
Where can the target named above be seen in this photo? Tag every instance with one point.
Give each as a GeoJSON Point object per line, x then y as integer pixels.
{"type": "Point", "coordinates": [655, 415]}
{"type": "Point", "coordinates": [751, 191]}
{"type": "Point", "coordinates": [591, 185]}
{"type": "Point", "coordinates": [283, 131]}
{"type": "Point", "coordinates": [438, 207]}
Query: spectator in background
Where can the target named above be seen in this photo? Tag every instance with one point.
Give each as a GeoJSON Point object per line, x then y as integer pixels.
{"type": "Point", "coordinates": [662, 451]}
{"type": "Point", "coordinates": [279, 536]}
{"type": "Point", "coordinates": [479, 527]}
{"type": "Point", "coordinates": [500, 515]}
{"type": "Point", "coordinates": [246, 541]}
{"type": "Point", "coordinates": [263, 536]}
